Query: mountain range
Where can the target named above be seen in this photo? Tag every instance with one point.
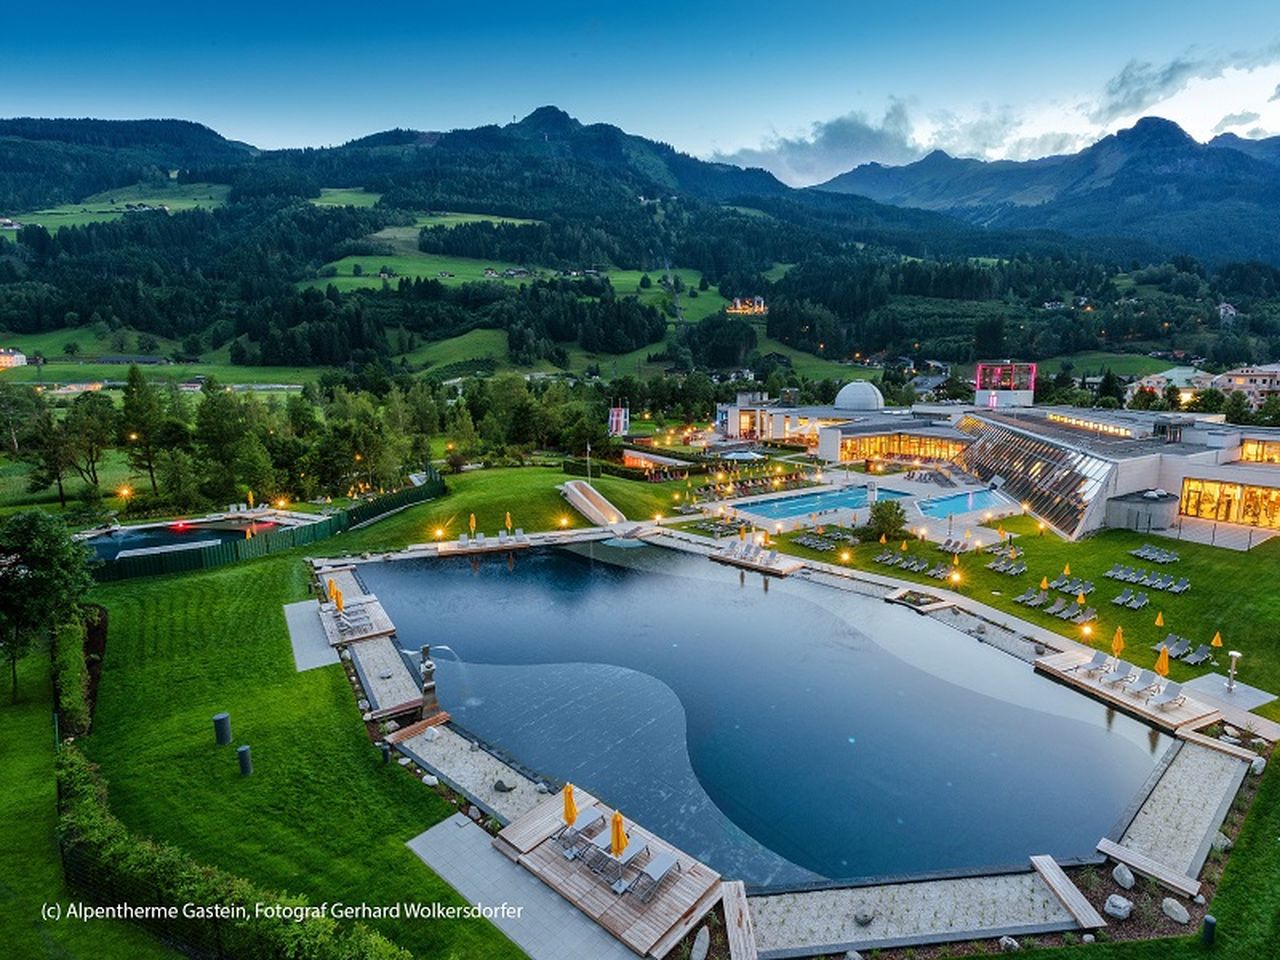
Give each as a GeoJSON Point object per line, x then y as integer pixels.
{"type": "Point", "coordinates": [1218, 200]}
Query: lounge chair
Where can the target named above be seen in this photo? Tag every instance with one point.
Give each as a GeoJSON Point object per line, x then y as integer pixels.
{"type": "Point", "coordinates": [1179, 648]}
{"type": "Point", "coordinates": [1171, 694]}
{"type": "Point", "coordinates": [1025, 595]}
{"type": "Point", "coordinates": [648, 880]}
{"type": "Point", "coordinates": [1142, 683]}
{"type": "Point", "coordinates": [1168, 641]}
{"type": "Point", "coordinates": [1138, 602]}
{"type": "Point", "coordinates": [1069, 612]}
{"type": "Point", "coordinates": [1202, 653]}
{"type": "Point", "coordinates": [1096, 662]}
{"type": "Point", "coordinates": [463, 541]}
{"type": "Point", "coordinates": [1017, 570]}
{"type": "Point", "coordinates": [520, 537]}
{"type": "Point", "coordinates": [1121, 674]}
{"type": "Point", "coordinates": [1039, 600]}
{"type": "Point", "coordinates": [1110, 574]}
{"type": "Point", "coordinates": [1088, 616]}
{"type": "Point", "coordinates": [572, 834]}
{"type": "Point", "coordinates": [480, 540]}
{"type": "Point", "coordinates": [1086, 587]}
{"type": "Point", "coordinates": [502, 538]}
{"type": "Point", "coordinates": [1125, 596]}
{"type": "Point", "coordinates": [1057, 606]}
{"type": "Point", "coordinates": [1057, 582]}
{"type": "Point", "coordinates": [1182, 586]}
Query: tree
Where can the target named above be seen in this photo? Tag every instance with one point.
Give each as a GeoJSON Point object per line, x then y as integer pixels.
{"type": "Point", "coordinates": [887, 518]}
{"type": "Point", "coordinates": [71, 348]}
{"type": "Point", "coordinates": [44, 578]}
{"type": "Point", "coordinates": [1236, 409]}
{"type": "Point", "coordinates": [47, 451]}
{"type": "Point", "coordinates": [91, 430]}
{"type": "Point", "coordinates": [141, 422]}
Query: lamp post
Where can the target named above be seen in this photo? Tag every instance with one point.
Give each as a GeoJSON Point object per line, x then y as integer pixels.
{"type": "Point", "coordinates": [1231, 673]}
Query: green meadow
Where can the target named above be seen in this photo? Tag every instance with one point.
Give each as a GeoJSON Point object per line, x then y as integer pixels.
{"type": "Point", "coordinates": [111, 204]}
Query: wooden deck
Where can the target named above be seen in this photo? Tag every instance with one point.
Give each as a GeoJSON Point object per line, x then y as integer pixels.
{"type": "Point", "coordinates": [1067, 892]}
{"type": "Point", "coordinates": [1231, 749]}
{"type": "Point", "coordinates": [648, 929]}
{"type": "Point", "coordinates": [369, 619]}
{"type": "Point", "coordinates": [737, 921]}
{"type": "Point", "coordinates": [1190, 714]}
{"type": "Point", "coordinates": [782, 567]}
{"type": "Point", "coordinates": [452, 548]}
{"type": "Point", "coordinates": [1140, 863]}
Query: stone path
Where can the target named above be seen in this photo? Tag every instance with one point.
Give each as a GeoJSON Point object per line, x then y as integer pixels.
{"type": "Point", "coordinates": [472, 772]}
{"type": "Point", "coordinates": [548, 926]}
{"type": "Point", "coordinates": [932, 911]}
{"type": "Point", "coordinates": [306, 633]}
{"type": "Point", "coordinates": [1186, 808]}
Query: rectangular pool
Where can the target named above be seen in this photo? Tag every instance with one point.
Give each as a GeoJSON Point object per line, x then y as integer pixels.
{"type": "Point", "coordinates": [847, 498]}
{"type": "Point", "coordinates": [940, 508]}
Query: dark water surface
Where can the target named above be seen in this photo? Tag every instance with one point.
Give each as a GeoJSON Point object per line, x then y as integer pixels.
{"type": "Point", "coordinates": [105, 546]}
{"type": "Point", "coordinates": [781, 736]}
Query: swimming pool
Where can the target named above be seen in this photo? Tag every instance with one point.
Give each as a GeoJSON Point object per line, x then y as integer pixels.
{"type": "Point", "coordinates": [782, 737]}
{"type": "Point", "coordinates": [942, 507]}
{"type": "Point", "coordinates": [106, 546]}
{"type": "Point", "coordinates": [846, 498]}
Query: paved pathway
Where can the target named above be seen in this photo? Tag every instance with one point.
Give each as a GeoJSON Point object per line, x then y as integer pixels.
{"type": "Point", "coordinates": [1186, 808]}
{"type": "Point", "coordinates": [310, 643]}
{"type": "Point", "coordinates": [931, 911]}
{"type": "Point", "coordinates": [548, 928]}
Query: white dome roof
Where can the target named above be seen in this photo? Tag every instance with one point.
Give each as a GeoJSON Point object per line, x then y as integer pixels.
{"type": "Point", "coordinates": [859, 395]}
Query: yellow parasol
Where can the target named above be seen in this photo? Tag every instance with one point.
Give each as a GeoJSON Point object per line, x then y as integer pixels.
{"type": "Point", "coordinates": [338, 600]}
{"type": "Point", "coordinates": [1080, 598]}
{"type": "Point", "coordinates": [1160, 619]}
{"type": "Point", "coordinates": [1217, 640]}
{"type": "Point", "coordinates": [570, 807]}
{"type": "Point", "coordinates": [1066, 571]}
{"type": "Point", "coordinates": [508, 521]}
{"type": "Point", "coordinates": [883, 538]}
{"type": "Point", "coordinates": [617, 836]}
{"type": "Point", "coordinates": [955, 559]}
{"type": "Point", "coordinates": [472, 524]}
{"type": "Point", "coordinates": [903, 548]}
{"type": "Point", "coordinates": [331, 587]}
{"type": "Point", "coordinates": [742, 533]}
{"type": "Point", "coordinates": [1117, 643]}
{"type": "Point", "coordinates": [1044, 583]}
{"type": "Point", "coordinates": [1162, 662]}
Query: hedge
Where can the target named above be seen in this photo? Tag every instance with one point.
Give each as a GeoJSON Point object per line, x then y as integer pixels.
{"type": "Point", "coordinates": [112, 866]}
{"type": "Point", "coordinates": [71, 679]}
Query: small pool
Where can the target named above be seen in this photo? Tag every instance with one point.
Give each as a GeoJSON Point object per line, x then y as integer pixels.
{"type": "Point", "coordinates": [107, 546]}
{"type": "Point", "coordinates": [848, 498]}
{"type": "Point", "coordinates": [942, 507]}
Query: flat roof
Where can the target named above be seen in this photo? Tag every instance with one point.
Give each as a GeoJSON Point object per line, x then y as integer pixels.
{"type": "Point", "coordinates": [1100, 444]}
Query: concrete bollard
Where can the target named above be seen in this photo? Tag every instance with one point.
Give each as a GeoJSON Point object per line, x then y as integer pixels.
{"type": "Point", "coordinates": [1209, 929]}
{"type": "Point", "coordinates": [385, 748]}
{"type": "Point", "coordinates": [246, 760]}
{"type": "Point", "coordinates": [222, 728]}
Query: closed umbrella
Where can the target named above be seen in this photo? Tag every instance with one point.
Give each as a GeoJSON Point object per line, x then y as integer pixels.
{"type": "Point", "coordinates": [1217, 640]}
{"type": "Point", "coordinates": [332, 587]}
{"type": "Point", "coordinates": [883, 538]}
{"type": "Point", "coordinates": [1162, 662]}
{"type": "Point", "coordinates": [1066, 571]}
{"type": "Point", "coordinates": [617, 835]}
{"type": "Point", "coordinates": [904, 546]}
{"type": "Point", "coordinates": [508, 521]}
{"type": "Point", "coordinates": [472, 524]}
{"type": "Point", "coordinates": [338, 601]}
{"type": "Point", "coordinates": [1160, 619]}
{"type": "Point", "coordinates": [955, 559]}
{"type": "Point", "coordinates": [1080, 598]}
{"type": "Point", "coordinates": [570, 807]}
{"type": "Point", "coordinates": [1117, 643]}
{"type": "Point", "coordinates": [1044, 583]}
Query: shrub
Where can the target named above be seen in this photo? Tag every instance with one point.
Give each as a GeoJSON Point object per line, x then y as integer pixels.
{"type": "Point", "coordinates": [71, 679]}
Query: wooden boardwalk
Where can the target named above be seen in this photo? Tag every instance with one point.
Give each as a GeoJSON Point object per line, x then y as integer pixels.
{"type": "Point", "coordinates": [1141, 863]}
{"type": "Point", "coordinates": [781, 567]}
{"type": "Point", "coordinates": [648, 929]}
{"type": "Point", "coordinates": [367, 617]}
{"type": "Point", "coordinates": [737, 921]}
{"type": "Point", "coordinates": [1067, 892]}
{"type": "Point", "coordinates": [1189, 714]}
{"type": "Point", "coordinates": [1231, 749]}
{"type": "Point", "coordinates": [452, 548]}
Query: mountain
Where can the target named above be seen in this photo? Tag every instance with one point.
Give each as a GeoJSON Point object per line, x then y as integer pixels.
{"type": "Point", "coordinates": [1217, 201]}
{"type": "Point", "coordinates": [45, 162]}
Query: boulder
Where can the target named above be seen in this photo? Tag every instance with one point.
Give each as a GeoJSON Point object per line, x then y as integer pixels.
{"type": "Point", "coordinates": [1227, 738]}
{"type": "Point", "coordinates": [431, 734]}
{"type": "Point", "coordinates": [362, 705]}
{"type": "Point", "coordinates": [1123, 876]}
{"type": "Point", "coordinates": [701, 944]}
{"type": "Point", "coordinates": [1257, 765]}
{"type": "Point", "coordinates": [404, 761]}
{"type": "Point", "coordinates": [863, 916]}
{"type": "Point", "coordinates": [366, 717]}
{"type": "Point", "coordinates": [1039, 648]}
{"type": "Point", "coordinates": [1200, 900]}
{"type": "Point", "coordinates": [1175, 911]}
{"type": "Point", "coordinates": [1009, 945]}
{"type": "Point", "coordinates": [392, 726]}
{"type": "Point", "coordinates": [501, 786]}
{"type": "Point", "coordinates": [852, 955]}
{"type": "Point", "coordinates": [1088, 938]}
{"type": "Point", "coordinates": [540, 787]}
{"type": "Point", "coordinates": [1230, 731]}
{"type": "Point", "coordinates": [431, 780]}
{"type": "Point", "coordinates": [1221, 842]}
{"type": "Point", "coordinates": [1118, 907]}
{"type": "Point", "coordinates": [474, 812]}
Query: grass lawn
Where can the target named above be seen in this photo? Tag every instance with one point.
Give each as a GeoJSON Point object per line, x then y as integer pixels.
{"type": "Point", "coordinates": [412, 264]}
{"type": "Point", "coordinates": [30, 869]}
{"type": "Point", "coordinates": [110, 204]}
{"type": "Point", "coordinates": [113, 472]}
{"type": "Point", "coordinates": [346, 197]}
{"type": "Point", "coordinates": [63, 370]}
{"type": "Point", "coordinates": [1230, 593]}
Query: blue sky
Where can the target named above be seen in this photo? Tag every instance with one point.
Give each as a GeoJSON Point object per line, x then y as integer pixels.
{"type": "Point", "coordinates": [806, 89]}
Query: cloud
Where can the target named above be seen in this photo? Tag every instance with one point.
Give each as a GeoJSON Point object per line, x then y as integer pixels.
{"type": "Point", "coordinates": [976, 136]}
{"type": "Point", "coordinates": [1236, 120]}
{"type": "Point", "coordinates": [1046, 145]}
{"type": "Point", "coordinates": [1275, 96]}
{"type": "Point", "coordinates": [831, 147]}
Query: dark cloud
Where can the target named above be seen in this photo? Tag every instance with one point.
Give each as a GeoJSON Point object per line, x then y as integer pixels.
{"type": "Point", "coordinates": [832, 147]}
{"type": "Point", "coordinates": [1142, 83]}
{"type": "Point", "coordinates": [1275, 96]}
{"type": "Point", "coordinates": [1236, 120]}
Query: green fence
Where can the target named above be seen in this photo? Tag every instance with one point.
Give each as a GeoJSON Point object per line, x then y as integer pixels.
{"type": "Point", "coordinates": [234, 551]}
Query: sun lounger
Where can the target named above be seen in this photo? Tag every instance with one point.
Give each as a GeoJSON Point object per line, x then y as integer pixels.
{"type": "Point", "coordinates": [647, 881]}
{"type": "Point", "coordinates": [1202, 653]}
{"type": "Point", "coordinates": [1025, 595]}
{"type": "Point", "coordinates": [1182, 586]}
{"type": "Point", "coordinates": [1115, 569]}
{"type": "Point", "coordinates": [1096, 662]}
{"type": "Point", "coordinates": [1057, 582]}
{"type": "Point", "coordinates": [1039, 600]}
{"type": "Point", "coordinates": [520, 537]}
{"type": "Point", "coordinates": [1123, 670]}
{"type": "Point", "coordinates": [1069, 612]}
{"type": "Point", "coordinates": [572, 834]}
{"type": "Point", "coordinates": [1168, 641]}
{"type": "Point", "coordinates": [463, 541]}
{"type": "Point", "coordinates": [1017, 570]}
{"type": "Point", "coordinates": [1142, 683]}
{"type": "Point", "coordinates": [479, 539]}
{"type": "Point", "coordinates": [1138, 602]}
{"type": "Point", "coordinates": [1087, 617]}
{"type": "Point", "coordinates": [1058, 606]}
{"type": "Point", "coordinates": [1171, 694]}
{"type": "Point", "coordinates": [1125, 596]}
{"type": "Point", "coordinates": [1179, 648]}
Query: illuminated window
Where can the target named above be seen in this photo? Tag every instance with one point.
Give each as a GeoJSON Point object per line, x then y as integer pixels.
{"type": "Point", "coordinates": [1231, 502]}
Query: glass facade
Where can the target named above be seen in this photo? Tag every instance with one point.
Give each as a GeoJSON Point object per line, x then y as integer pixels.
{"type": "Point", "coordinates": [1231, 502]}
{"type": "Point", "coordinates": [1260, 451]}
{"type": "Point", "coordinates": [907, 445]}
{"type": "Point", "coordinates": [1059, 483]}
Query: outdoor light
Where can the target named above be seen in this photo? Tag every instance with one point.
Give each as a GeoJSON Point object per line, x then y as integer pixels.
{"type": "Point", "coordinates": [439, 533]}
{"type": "Point", "coordinates": [1087, 630]}
{"type": "Point", "coordinates": [1231, 674]}
{"type": "Point", "coordinates": [125, 493]}
{"type": "Point", "coordinates": [133, 436]}
{"type": "Point", "coordinates": [844, 556]}
{"type": "Point", "coordinates": [955, 576]}
{"type": "Point", "coordinates": [564, 521]}
{"type": "Point", "coordinates": [281, 503]}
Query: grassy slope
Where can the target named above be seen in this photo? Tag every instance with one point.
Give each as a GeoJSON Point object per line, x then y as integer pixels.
{"type": "Point", "coordinates": [110, 205]}
{"type": "Point", "coordinates": [60, 370]}
{"type": "Point", "coordinates": [30, 871]}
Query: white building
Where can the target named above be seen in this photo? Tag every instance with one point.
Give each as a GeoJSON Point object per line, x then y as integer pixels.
{"type": "Point", "coordinates": [1256, 383]}
{"type": "Point", "coordinates": [1188, 380]}
{"type": "Point", "coordinates": [12, 357]}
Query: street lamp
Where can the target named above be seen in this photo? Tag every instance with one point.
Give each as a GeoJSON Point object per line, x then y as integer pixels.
{"type": "Point", "coordinates": [1231, 674]}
